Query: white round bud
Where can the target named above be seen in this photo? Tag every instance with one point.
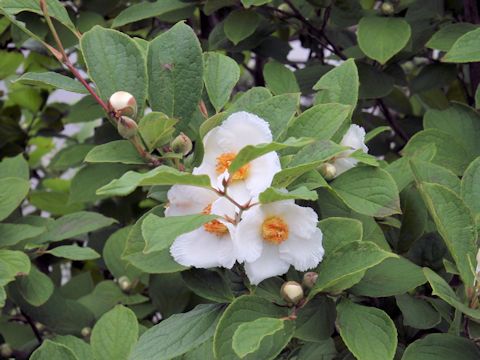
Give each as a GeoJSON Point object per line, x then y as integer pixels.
{"type": "Point", "coordinates": [309, 279]}
{"type": "Point", "coordinates": [86, 331]}
{"type": "Point", "coordinates": [39, 326]}
{"type": "Point", "coordinates": [328, 171]}
{"type": "Point", "coordinates": [292, 292]}
{"type": "Point", "coordinates": [123, 103]}
{"type": "Point", "coordinates": [6, 350]}
{"type": "Point", "coordinates": [127, 128]}
{"type": "Point", "coordinates": [182, 144]}
{"type": "Point", "coordinates": [387, 8]}
{"type": "Point", "coordinates": [124, 283]}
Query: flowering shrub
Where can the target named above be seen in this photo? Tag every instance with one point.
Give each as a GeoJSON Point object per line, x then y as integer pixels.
{"type": "Point", "coordinates": [210, 194]}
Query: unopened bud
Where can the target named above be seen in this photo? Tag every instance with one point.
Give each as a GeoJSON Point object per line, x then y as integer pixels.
{"type": "Point", "coordinates": [39, 326]}
{"type": "Point", "coordinates": [6, 350]}
{"type": "Point", "coordinates": [123, 103]}
{"type": "Point", "coordinates": [182, 144]}
{"type": "Point", "coordinates": [328, 171]}
{"type": "Point", "coordinates": [86, 331]}
{"type": "Point", "coordinates": [127, 128]}
{"type": "Point", "coordinates": [309, 279]}
{"type": "Point", "coordinates": [387, 8]}
{"type": "Point", "coordinates": [292, 292]}
{"type": "Point", "coordinates": [124, 283]}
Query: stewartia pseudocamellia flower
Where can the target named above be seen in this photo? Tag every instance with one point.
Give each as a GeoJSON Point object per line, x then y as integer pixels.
{"type": "Point", "coordinates": [354, 138]}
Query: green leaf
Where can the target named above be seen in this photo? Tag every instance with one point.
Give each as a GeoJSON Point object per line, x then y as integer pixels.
{"type": "Point", "coordinates": [320, 121]}
{"type": "Point", "coordinates": [36, 287]}
{"type": "Point", "coordinates": [112, 255]}
{"type": "Point", "coordinates": [441, 347]}
{"type": "Point", "coordinates": [248, 3]}
{"type": "Point", "coordinates": [448, 151]}
{"type": "Point", "coordinates": [221, 75]}
{"type": "Point", "coordinates": [243, 310]}
{"type": "Point", "coordinates": [115, 63]}
{"type": "Point", "coordinates": [417, 313]}
{"type": "Point", "coordinates": [369, 191]}
{"type": "Point", "coordinates": [249, 336]}
{"type": "Point", "coordinates": [118, 151]}
{"type": "Point", "coordinates": [74, 252]}
{"type": "Point", "coordinates": [115, 334]}
{"type": "Point", "coordinates": [248, 100]}
{"type": "Point", "coordinates": [178, 334]}
{"type": "Point", "coordinates": [54, 7]}
{"type": "Point", "coordinates": [148, 10]}
{"type": "Point", "coordinates": [324, 350]}
{"type": "Point", "coordinates": [14, 167]}
{"type": "Point", "coordinates": [160, 232]}
{"type": "Point", "coordinates": [280, 79]}
{"type": "Point", "coordinates": [308, 158]}
{"type": "Point", "coordinates": [240, 24]}
{"type": "Point", "coordinates": [350, 260]}
{"type": "Point", "coordinates": [208, 284]}
{"type": "Point", "coordinates": [470, 187]}
{"type": "Point", "coordinates": [445, 292]}
{"type": "Point", "coordinates": [252, 152]}
{"type": "Point", "coordinates": [339, 85]}
{"type": "Point", "coordinates": [72, 225]}
{"type": "Point", "coordinates": [444, 38]}
{"type": "Point", "coordinates": [162, 175]}
{"type": "Point", "coordinates": [392, 277]}
{"type": "Point", "coordinates": [156, 129]}
{"type": "Point", "coordinates": [92, 177]}
{"type": "Point", "coordinates": [70, 157]}
{"type": "Point", "coordinates": [455, 224]}
{"type": "Point", "coordinates": [316, 320]}
{"type": "Point", "coordinates": [425, 171]}
{"type": "Point", "coordinates": [175, 72]}
{"type": "Point", "coordinates": [14, 233]}
{"type": "Point", "coordinates": [80, 348]}
{"type": "Point", "coordinates": [380, 38]}
{"type": "Point", "coordinates": [12, 263]}
{"type": "Point", "coordinates": [55, 202]}
{"type": "Point", "coordinates": [12, 192]}
{"type": "Point", "coordinates": [375, 132]}
{"type": "Point", "coordinates": [368, 332]}
{"type": "Point", "coordinates": [273, 194]}
{"type": "Point", "coordinates": [278, 111]}
{"type": "Point", "coordinates": [51, 350]}
{"type": "Point", "coordinates": [54, 79]}
{"type": "Point", "coordinates": [169, 293]}
{"type": "Point", "coordinates": [338, 231]}
{"type": "Point", "coordinates": [465, 49]}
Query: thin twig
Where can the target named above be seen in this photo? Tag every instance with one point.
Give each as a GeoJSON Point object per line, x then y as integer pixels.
{"type": "Point", "coordinates": [392, 121]}
{"type": "Point", "coordinates": [32, 325]}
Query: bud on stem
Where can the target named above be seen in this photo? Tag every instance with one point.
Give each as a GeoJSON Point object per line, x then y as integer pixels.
{"type": "Point", "coordinates": [309, 279]}
{"type": "Point", "coordinates": [328, 171]}
{"type": "Point", "coordinates": [123, 104]}
{"type": "Point", "coordinates": [182, 144]}
{"type": "Point", "coordinates": [292, 292]}
{"type": "Point", "coordinates": [127, 128]}
{"type": "Point", "coordinates": [124, 283]}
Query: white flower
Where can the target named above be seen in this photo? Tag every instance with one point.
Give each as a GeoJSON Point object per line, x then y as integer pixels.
{"type": "Point", "coordinates": [272, 237]}
{"type": "Point", "coordinates": [224, 142]}
{"type": "Point", "coordinates": [211, 244]}
{"type": "Point", "coordinates": [355, 139]}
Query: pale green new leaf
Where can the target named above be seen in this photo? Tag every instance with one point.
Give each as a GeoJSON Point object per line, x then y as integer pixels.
{"type": "Point", "coordinates": [444, 38]}
{"type": "Point", "coordinates": [115, 334]}
{"type": "Point", "coordinates": [280, 79]}
{"type": "Point", "coordinates": [249, 336]}
{"type": "Point", "coordinates": [160, 232]}
{"type": "Point", "coordinates": [156, 129]}
{"type": "Point", "coordinates": [50, 79]}
{"type": "Point", "coordinates": [221, 75]}
{"type": "Point", "coordinates": [74, 252]}
{"type": "Point", "coordinates": [272, 194]}
{"type": "Point", "coordinates": [118, 151]}
{"type": "Point", "coordinates": [51, 350]}
{"type": "Point", "coordinates": [380, 38]}
{"type": "Point", "coordinates": [12, 192]}
{"type": "Point", "coordinates": [12, 234]}
{"type": "Point", "coordinates": [13, 263]}
{"type": "Point", "coordinates": [368, 332]}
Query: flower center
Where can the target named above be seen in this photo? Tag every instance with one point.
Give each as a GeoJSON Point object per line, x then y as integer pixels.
{"type": "Point", "coordinates": [214, 226]}
{"type": "Point", "coordinates": [225, 160]}
{"type": "Point", "coordinates": [274, 230]}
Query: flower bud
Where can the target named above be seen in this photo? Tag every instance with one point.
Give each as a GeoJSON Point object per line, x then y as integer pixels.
{"type": "Point", "coordinates": [6, 350]}
{"type": "Point", "coordinates": [86, 331]}
{"type": "Point", "coordinates": [182, 144]}
{"type": "Point", "coordinates": [127, 128]}
{"type": "Point", "coordinates": [123, 103]}
{"type": "Point", "coordinates": [292, 292]}
{"type": "Point", "coordinates": [124, 283]}
{"type": "Point", "coordinates": [387, 8]}
{"type": "Point", "coordinates": [40, 327]}
{"type": "Point", "coordinates": [328, 171]}
{"type": "Point", "coordinates": [309, 279]}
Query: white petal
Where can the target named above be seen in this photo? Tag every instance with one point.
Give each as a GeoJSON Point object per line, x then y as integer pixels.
{"type": "Point", "coordinates": [344, 164]}
{"type": "Point", "coordinates": [267, 265]}
{"type": "Point", "coordinates": [187, 200]}
{"type": "Point", "coordinates": [355, 138]}
{"type": "Point", "coordinates": [202, 249]}
{"type": "Point", "coordinates": [301, 221]}
{"type": "Point", "coordinates": [223, 207]}
{"type": "Point", "coordinates": [261, 172]}
{"type": "Point", "coordinates": [248, 239]}
{"type": "Point", "coordinates": [239, 192]}
{"type": "Point", "coordinates": [303, 253]}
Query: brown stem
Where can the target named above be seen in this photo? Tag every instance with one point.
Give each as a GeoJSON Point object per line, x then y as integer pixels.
{"type": "Point", "coordinates": [34, 328]}
{"type": "Point", "coordinates": [392, 121]}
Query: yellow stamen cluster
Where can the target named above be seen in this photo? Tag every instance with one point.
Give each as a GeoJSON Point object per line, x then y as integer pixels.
{"type": "Point", "coordinates": [214, 226]}
{"type": "Point", "coordinates": [223, 163]}
{"type": "Point", "coordinates": [274, 230]}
